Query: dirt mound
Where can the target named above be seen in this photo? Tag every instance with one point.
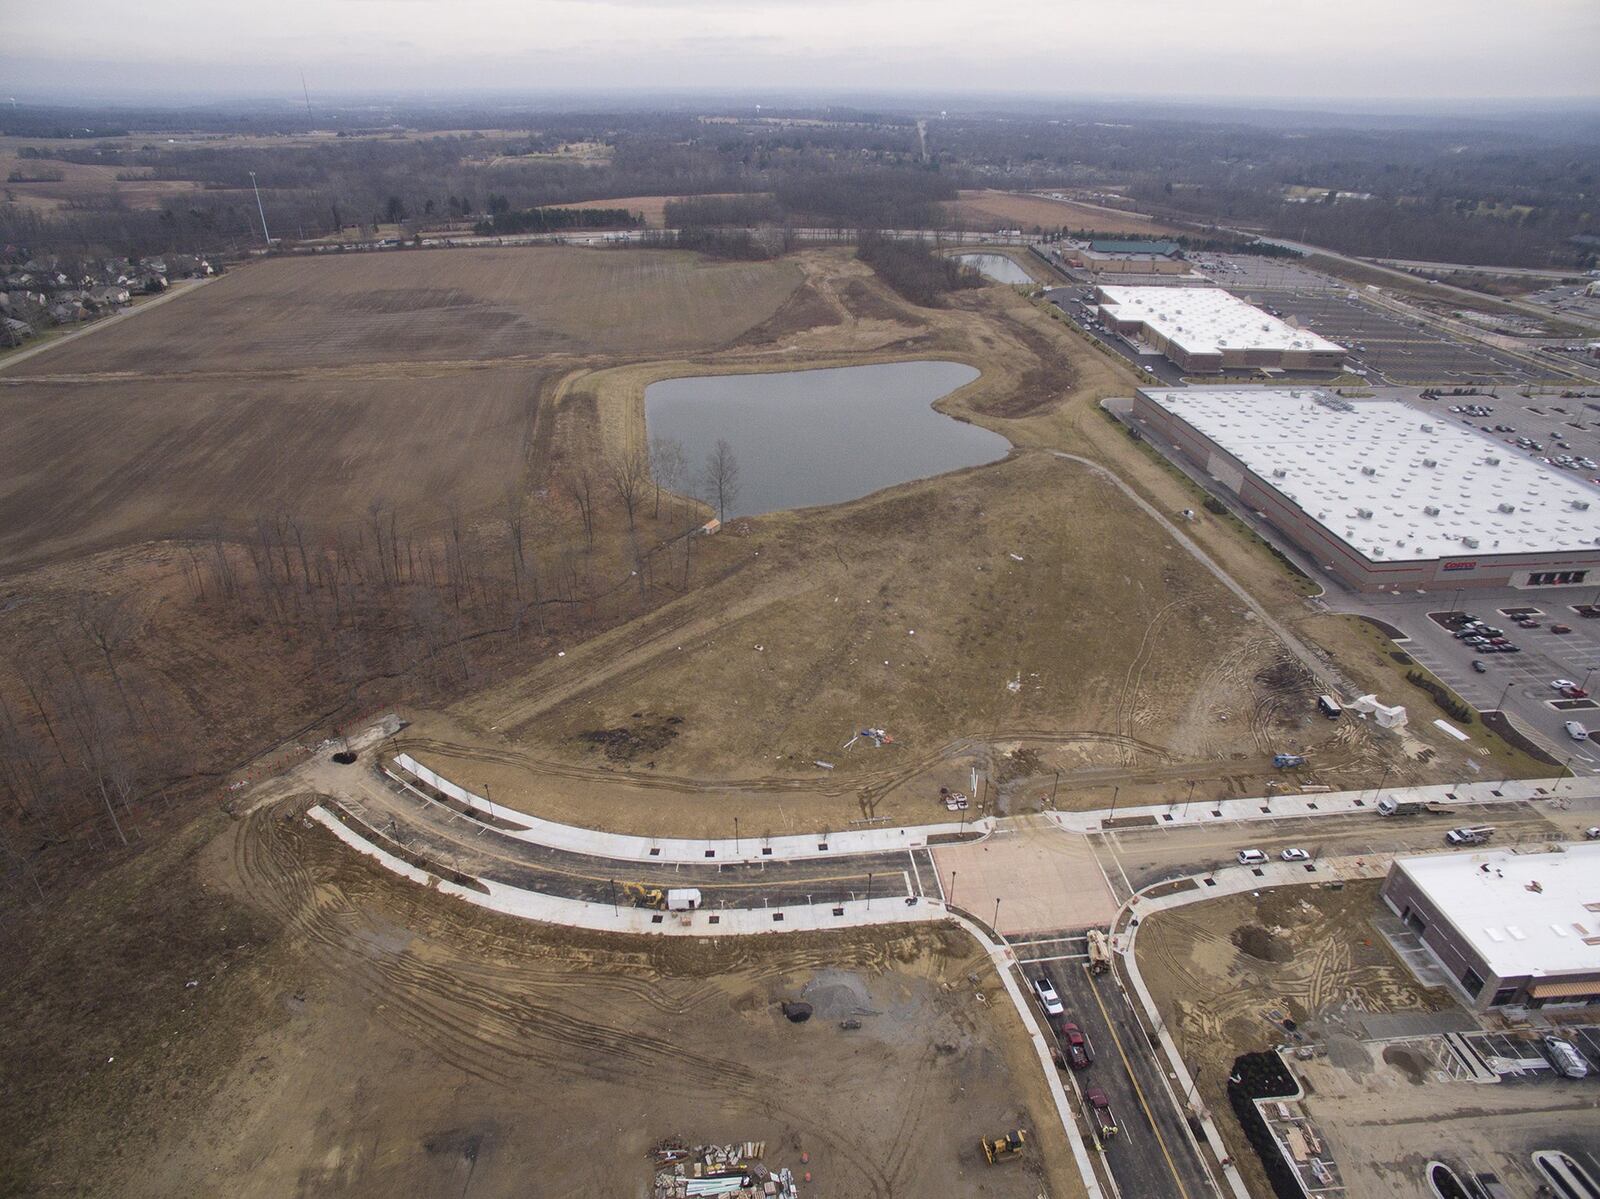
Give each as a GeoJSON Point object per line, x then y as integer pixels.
{"type": "Point", "coordinates": [1408, 1061]}
{"type": "Point", "coordinates": [1019, 764]}
{"type": "Point", "coordinates": [1261, 944]}
{"type": "Point", "coordinates": [647, 735]}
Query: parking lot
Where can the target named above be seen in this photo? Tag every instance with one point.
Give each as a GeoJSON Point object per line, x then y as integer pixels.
{"type": "Point", "coordinates": [1389, 348]}
{"type": "Point", "coordinates": [1505, 1057]}
{"type": "Point", "coordinates": [1557, 426]}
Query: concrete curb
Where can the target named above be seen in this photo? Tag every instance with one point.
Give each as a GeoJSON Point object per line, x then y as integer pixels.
{"type": "Point", "coordinates": [1328, 803]}
{"type": "Point", "coordinates": [623, 847]}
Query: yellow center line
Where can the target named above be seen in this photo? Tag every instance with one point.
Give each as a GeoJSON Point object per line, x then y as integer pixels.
{"type": "Point", "coordinates": [1137, 1089]}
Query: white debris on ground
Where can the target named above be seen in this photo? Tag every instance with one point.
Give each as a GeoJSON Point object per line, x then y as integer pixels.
{"type": "Point", "coordinates": [685, 1172]}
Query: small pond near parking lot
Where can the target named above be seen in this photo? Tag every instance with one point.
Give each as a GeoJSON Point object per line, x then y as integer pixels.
{"type": "Point", "coordinates": [996, 268]}
{"type": "Point", "coordinates": [805, 438]}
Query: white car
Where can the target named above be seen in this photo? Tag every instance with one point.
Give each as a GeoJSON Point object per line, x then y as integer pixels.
{"type": "Point", "coordinates": [1252, 857]}
{"type": "Point", "coordinates": [1561, 684]}
{"type": "Point", "coordinates": [1295, 855]}
{"type": "Point", "coordinates": [1046, 991]}
{"type": "Point", "coordinates": [1593, 833]}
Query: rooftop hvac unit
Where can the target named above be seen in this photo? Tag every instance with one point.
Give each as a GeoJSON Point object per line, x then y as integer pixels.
{"type": "Point", "coordinates": [1279, 473]}
{"type": "Point", "coordinates": [1430, 462]}
{"type": "Point", "coordinates": [1581, 505]}
{"type": "Point", "coordinates": [1508, 508]}
{"type": "Point", "coordinates": [1491, 460]}
{"type": "Point", "coordinates": [1377, 551]}
{"type": "Point", "coordinates": [1470, 542]}
{"type": "Point", "coordinates": [1431, 510]}
{"type": "Point", "coordinates": [1364, 513]}
{"type": "Point", "coordinates": [1427, 428]}
{"type": "Point", "coordinates": [1369, 470]}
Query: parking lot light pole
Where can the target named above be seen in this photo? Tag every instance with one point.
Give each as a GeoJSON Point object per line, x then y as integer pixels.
{"type": "Point", "coordinates": [1115, 791]}
{"type": "Point", "coordinates": [1501, 702]}
{"type": "Point", "coordinates": [996, 924]}
{"type": "Point", "coordinates": [950, 899]}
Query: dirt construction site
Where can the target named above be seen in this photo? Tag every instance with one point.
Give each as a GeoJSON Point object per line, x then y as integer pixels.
{"type": "Point", "coordinates": [1309, 969]}
{"type": "Point", "coordinates": [314, 489]}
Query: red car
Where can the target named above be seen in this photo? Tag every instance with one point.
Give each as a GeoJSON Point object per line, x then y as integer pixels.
{"type": "Point", "coordinates": [1574, 693]}
{"type": "Point", "coordinates": [1078, 1052]}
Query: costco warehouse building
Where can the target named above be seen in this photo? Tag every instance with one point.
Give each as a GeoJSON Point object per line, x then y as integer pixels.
{"type": "Point", "coordinates": [1382, 495]}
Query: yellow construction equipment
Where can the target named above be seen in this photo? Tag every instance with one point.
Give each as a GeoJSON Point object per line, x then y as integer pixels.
{"type": "Point", "coordinates": [999, 1149]}
{"type": "Point", "coordinates": [645, 897]}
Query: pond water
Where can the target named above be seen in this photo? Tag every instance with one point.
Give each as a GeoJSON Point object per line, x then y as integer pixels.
{"type": "Point", "coordinates": [997, 268]}
{"type": "Point", "coordinates": [804, 438]}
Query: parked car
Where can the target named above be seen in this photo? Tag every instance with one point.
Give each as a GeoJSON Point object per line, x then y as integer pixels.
{"type": "Point", "coordinates": [1561, 684]}
{"type": "Point", "coordinates": [1574, 693]}
{"type": "Point", "coordinates": [1480, 666]}
{"type": "Point", "coordinates": [1252, 857]}
{"type": "Point", "coordinates": [1045, 989]}
{"type": "Point", "coordinates": [1592, 832]}
{"type": "Point", "coordinates": [1569, 1063]}
{"type": "Point", "coordinates": [1576, 730]}
{"type": "Point", "coordinates": [1079, 1055]}
{"type": "Point", "coordinates": [1560, 628]}
{"type": "Point", "coordinates": [1528, 624]}
{"type": "Point", "coordinates": [1295, 855]}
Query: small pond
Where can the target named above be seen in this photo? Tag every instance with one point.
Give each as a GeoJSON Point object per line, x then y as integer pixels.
{"type": "Point", "coordinates": [997, 268]}
{"type": "Point", "coordinates": [806, 438]}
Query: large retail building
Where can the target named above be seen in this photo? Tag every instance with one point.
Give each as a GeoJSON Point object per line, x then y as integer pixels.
{"type": "Point", "coordinates": [1205, 330]}
{"type": "Point", "coordinates": [1382, 495]}
{"type": "Point", "coordinates": [1510, 929]}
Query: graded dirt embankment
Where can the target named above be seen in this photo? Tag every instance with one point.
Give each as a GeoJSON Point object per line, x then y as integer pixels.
{"type": "Point", "coordinates": [358, 1035]}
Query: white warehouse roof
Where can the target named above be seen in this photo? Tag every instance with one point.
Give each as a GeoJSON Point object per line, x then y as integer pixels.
{"type": "Point", "coordinates": [1391, 481]}
{"type": "Point", "coordinates": [1208, 320]}
{"type": "Point", "coordinates": [1525, 914]}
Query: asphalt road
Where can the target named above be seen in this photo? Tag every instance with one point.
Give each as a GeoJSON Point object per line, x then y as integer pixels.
{"type": "Point", "coordinates": [1137, 858]}
{"type": "Point", "coordinates": [447, 837]}
{"type": "Point", "coordinates": [1154, 1154]}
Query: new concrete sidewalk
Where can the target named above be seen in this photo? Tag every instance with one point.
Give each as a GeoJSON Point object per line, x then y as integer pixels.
{"type": "Point", "coordinates": [1328, 803]}
{"type": "Point", "coordinates": [623, 847]}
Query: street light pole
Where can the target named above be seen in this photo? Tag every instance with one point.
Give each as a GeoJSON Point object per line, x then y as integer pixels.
{"type": "Point", "coordinates": [1190, 797]}
{"type": "Point", "coordinates": [996, 924]}
{"type": "Point", "coordinates": [869, 890]}
{"type": "Point", "coordinates": [1382, 779]}
{"type": "Point", "coordinates": [736, 836]}
{"type": "Point", "coordinates": [262, 210]}
{"type": "Point", "coordinates": [950, 899]}
{"type": "Point", "coordinates": [1115, 791]}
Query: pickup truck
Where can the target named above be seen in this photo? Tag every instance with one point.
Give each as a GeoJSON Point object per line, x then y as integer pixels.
{"type": "Point", "coordinates": [1411, 807]}
{"type": "Point", "coordinates": [1105, 1122]}
{"type": "Point", "coordinates": [1470, 835]}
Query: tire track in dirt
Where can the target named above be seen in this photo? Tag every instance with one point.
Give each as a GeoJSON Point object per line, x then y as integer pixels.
{"type": "Point", "coordinates": [458, 1007]}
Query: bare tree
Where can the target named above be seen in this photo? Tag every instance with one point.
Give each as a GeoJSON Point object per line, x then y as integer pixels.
{"type": "Point", "coordinates": [106, 622]}
{"type": "Point", "coordinates": [628, 473]}
{"type": "Point", "coordinates": [579, 485]}
{"type": "Point", "coordinates": [721, 478]}
{"type": "Point", "coordinates": [668, 463]}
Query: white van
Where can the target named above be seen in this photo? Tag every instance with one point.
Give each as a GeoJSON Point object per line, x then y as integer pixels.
{"type": "Point", "coordinates": [1252, 857]}
{"type": "Point", "coordinates": [1576, 731]}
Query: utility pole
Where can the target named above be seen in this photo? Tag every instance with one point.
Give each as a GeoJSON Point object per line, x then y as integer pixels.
{"type": "Point", "coordinates": [261, 209]}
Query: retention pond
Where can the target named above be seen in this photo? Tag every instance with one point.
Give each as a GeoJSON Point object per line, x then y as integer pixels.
{"type": "Point", "coordinates": [806, 438]}
{"type": "Point", "coordinates": [996, 268]}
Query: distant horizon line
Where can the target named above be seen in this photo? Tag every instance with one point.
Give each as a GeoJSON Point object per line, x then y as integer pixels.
{"type": "Point", "coordinates": [781, 98]}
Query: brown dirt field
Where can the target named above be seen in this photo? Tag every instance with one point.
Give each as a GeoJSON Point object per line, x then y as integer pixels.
{"type": "Point", "coordinates": [347, 1033]}
{"type": "Point", "coordinates": [90, 464]}
{"type": "Point", "coordinates": [339, 311]}
{"type": "Point", "coordinates": [652, 208]}
{"type": "Point", "coordinates": [1217, 969]}
{"type": "Point", "coordinates": [1023, 210]}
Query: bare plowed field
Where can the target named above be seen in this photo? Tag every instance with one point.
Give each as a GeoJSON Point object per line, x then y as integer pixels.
{"type": "Point", "coordinates": [339, 311]}
{"type": "Point", "coordinates": [85, 465]}
{"type": "Point", "coordinates": [1022, 211]}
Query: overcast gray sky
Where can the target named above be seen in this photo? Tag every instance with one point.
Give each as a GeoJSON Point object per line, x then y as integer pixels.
{"type": "Point", "coordinates": [1293, 49]}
